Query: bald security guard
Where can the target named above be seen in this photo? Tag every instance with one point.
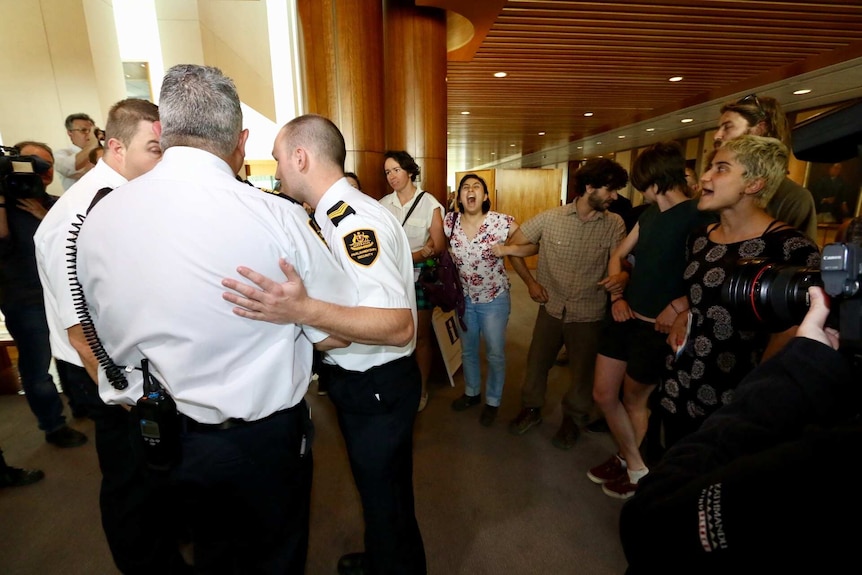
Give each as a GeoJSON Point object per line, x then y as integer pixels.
{"type": "Point", "coordinates": [374, 382]}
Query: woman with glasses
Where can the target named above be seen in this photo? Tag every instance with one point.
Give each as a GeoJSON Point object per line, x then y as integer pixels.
{"type": "Point", "coordinates": [421, 215]}
{"type": "Point", "coordinates": [724, 341]}
{"type": "Point", "coordinates": [763, 116]}
{"type": "Point", "coordinates": [73, 162]}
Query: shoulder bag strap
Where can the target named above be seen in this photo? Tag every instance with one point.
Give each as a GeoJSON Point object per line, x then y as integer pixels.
{"type": "Point", "coordinates": [413, 207]}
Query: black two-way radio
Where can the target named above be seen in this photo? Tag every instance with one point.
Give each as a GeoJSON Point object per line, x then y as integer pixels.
{"type": "Point", "coordinates": [160, 423]}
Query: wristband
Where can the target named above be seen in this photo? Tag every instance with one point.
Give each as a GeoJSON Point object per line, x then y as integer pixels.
{"type": "Point", "coordinates": [673, 307]}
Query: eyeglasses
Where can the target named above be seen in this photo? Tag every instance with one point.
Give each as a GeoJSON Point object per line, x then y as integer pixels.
{"type": "Point", "coordinates": [82, 130]}
{"type": "Point", "coordinates": [753, 98]}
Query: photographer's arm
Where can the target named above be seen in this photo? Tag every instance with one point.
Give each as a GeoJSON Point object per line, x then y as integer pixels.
{"type": "Point", "coordinates": [703, 508]}
{"type": "Point", "coordinates": [777, 341]}
{"type": "Point", "coordinates": [82, 158]}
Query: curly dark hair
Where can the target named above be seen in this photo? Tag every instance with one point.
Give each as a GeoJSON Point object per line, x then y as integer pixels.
{"type": "Point", "coordinates": [406, 161]}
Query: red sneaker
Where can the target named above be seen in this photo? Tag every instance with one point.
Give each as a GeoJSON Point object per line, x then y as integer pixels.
{"type": "Point", "coordinates": [610, 470]}
{"type": "Point", "coordinates": [622, 488]}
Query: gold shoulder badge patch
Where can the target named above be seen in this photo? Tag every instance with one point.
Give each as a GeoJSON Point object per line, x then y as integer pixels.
{"type": "Point", "coordinates": [362, 246]}
{"type": "Point", "coordinates": [338, 212]}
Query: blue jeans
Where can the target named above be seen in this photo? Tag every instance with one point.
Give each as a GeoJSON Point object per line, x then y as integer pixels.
{"type": "Point", "coordinates": [486, 320]}
{"type": "Point", "coordinates": [28, 326]}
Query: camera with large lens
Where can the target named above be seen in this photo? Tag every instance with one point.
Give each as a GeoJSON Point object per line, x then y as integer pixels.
{"type": "Point", "coordinates": [20, 175]}
{"type": "Point", "coordinates": [775, 295]}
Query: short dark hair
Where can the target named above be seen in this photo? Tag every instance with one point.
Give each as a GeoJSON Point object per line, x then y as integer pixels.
{"type": "Point", "coordinates": [35, 144]}
{"type": "Point", "coordinates": [355, 177]}
{"type": "Point", "coordinates": [662, 164]}
{"type": "Point", "coordinates": [406, 161]}
{"type": "Point", "coordinates": [486, 202]}
{"type": "Point", "coordinates": [124, 117]}
{"type": "Point", "coordinates": [318, 133]}
{"type": "Point", "coordinates": [80, 116]}
{"type": "Point", "coordinates": [598, 173]}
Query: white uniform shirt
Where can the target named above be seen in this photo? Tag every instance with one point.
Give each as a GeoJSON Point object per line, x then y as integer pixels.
{"type": "Point", "coordinates": [373, 251]}
{"type": "Point", "coordinates": [64, 164]}
{"type": "Point", "coordinates": [52, 253]}
{"type": "Point", "coordinates": [151, 257]}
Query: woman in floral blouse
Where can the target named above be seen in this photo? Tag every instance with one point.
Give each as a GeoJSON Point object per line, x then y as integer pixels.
{"type": "Point", "coordinates": [472, 232]}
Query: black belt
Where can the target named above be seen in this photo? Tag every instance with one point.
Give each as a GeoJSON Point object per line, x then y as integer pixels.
{"type": "Point", "coordinates": [196, 426]}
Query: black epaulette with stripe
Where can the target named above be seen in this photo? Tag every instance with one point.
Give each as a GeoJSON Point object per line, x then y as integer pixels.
{"type": "Point", "coordinates": [338, 212]}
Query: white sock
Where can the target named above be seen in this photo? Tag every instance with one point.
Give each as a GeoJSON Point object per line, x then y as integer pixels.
{"type": "Point", "coordinates": [636, 475]}
{"type": "Point", "coordinates": [622, 459]}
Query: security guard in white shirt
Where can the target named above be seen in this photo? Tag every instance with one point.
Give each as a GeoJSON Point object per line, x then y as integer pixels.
{"type": "Point", "coordinates": [150, 257]}
{"type": "Point", "coordinates": [374, 382]}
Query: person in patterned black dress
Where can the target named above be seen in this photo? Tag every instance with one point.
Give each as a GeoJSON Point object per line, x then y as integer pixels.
{"type": "Point", "coordinates": [719, 352]}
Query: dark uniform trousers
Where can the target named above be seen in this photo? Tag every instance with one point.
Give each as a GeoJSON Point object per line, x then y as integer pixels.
{"type": "Point", "coordinates": [376, 411]}
{"type": "Point", "coordinates": [138, 514]}
{"type": "Point", "coordinates": [245, 493]}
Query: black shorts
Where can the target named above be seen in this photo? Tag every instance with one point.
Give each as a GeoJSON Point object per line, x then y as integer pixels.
{"type": "Point", "coordinates": [637, 343]}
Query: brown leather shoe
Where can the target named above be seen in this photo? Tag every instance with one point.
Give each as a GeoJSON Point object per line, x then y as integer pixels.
{"type": "Point", "coordinates": [527, 418]}
{"type": "Point", "coordinates": [567, 435]}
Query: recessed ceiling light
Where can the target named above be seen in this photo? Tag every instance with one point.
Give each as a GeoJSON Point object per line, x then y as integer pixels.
{"type": "Point", "coordinates": [650, 129]}
{"type": "Point", "coordinates": [500, 74]}
{"type": "Point", "coordinates": [588, 114]}
{"type": "Point", "coordinates": [687, 120]}
{"type": "Point", "coordinates": [800, 92]}
{"type": "Point", "coordinates": [493, 153]}
{"type": "Point", "coordinates": [598, 143]}
{"type": "Point", "coordinates": [541, 133]}
{"type": "Point", "coordinates": [621, 137]}
{"type": "Point", "coordinates": [675, 79]}
{"type": "Point", "coordinates": [580, 147]}
{"type": "Point", "coordinates": [465, 113]}
{"type": "Point", "coordinates": [511, 145]}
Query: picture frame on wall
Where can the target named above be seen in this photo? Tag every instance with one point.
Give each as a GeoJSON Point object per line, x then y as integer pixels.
{"type": "Point", "coordinates": [836, 189]}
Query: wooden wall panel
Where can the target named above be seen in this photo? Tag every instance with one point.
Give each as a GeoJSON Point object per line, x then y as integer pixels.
{"type": "Point", "coordinates": [527, 192]}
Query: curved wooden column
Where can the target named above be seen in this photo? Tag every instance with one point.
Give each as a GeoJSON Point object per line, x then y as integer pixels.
{"type": "Point", "coordinates": [415, 75]}
{"type": "Point", "coordinates": [342, 44]}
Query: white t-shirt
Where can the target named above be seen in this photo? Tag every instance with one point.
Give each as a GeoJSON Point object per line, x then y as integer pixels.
{"type": "Point", "coordinates": [64, 164]}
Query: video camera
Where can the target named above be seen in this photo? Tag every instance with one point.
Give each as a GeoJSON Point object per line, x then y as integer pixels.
{"type": "Point", "coordinates": [20, 176]}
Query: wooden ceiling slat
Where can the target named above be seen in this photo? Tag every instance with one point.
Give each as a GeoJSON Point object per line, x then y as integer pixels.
{"type": "Point", "coordinates": [614, 57]}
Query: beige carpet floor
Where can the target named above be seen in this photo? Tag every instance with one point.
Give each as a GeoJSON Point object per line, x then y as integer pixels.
{"type": "Point", "coordinates": [488, 502]}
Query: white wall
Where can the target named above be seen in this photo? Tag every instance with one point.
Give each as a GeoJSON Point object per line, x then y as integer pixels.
{"type": "Point", "coordinates": [51, 67]}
